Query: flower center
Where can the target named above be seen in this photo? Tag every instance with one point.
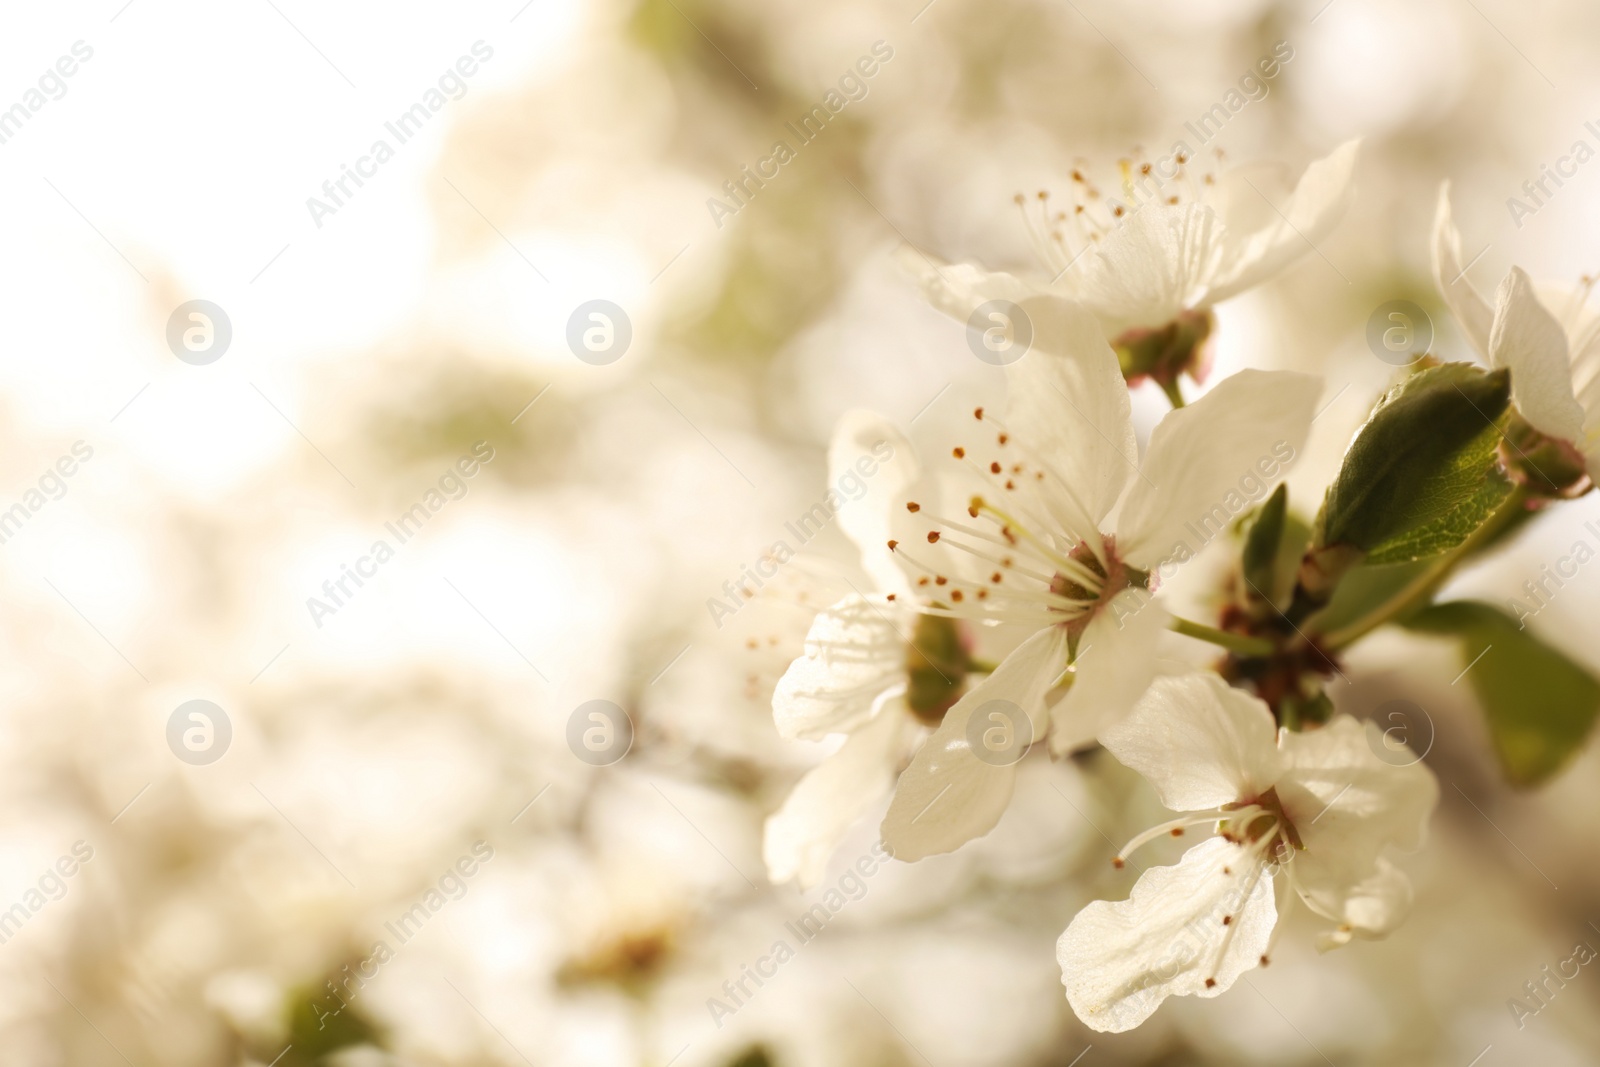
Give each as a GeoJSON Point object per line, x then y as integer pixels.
{"type": "Point", "coordinates": [1061, 232]}
{"type": "Point", "coordinates": [937, 662]}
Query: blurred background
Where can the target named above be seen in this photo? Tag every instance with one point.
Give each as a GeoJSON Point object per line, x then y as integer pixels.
{"type": "Point", "coordinates": [393, 347]}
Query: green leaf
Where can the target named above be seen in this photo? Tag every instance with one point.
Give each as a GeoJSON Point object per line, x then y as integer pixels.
{"type": "Point", "coordinates": [1453, 503]}
{"type": "Point", "coordinates": [1540, 705]}
{"type": "Point", "coordinates": [1261, 541]}
{"type": "Point", "coordinates": [1408, 482]}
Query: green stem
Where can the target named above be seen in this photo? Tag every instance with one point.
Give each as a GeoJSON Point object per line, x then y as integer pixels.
{"type": "Point", "coordinates": [981, 666]}
{"type": "Point", "coordinates": [1245, 646]}
{"type": "Point", "coordinates": [1421, 589]}
{"type": "Point", "coordinates": [1174, 393]}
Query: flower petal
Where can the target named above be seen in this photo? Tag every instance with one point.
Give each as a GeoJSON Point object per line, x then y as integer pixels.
{"type": "Point", "coordinates": [1320, 199]}
{"type": "Point", "coordinates": [1465, 302]}
{"type": "Point", "coordinates": [1068, 405]}
{"type": "Point", "coordinates": [1153, 265]}
{"type": "Point", "coordinates": [958, 289]}
{"type": "Point", "coordinates": [1116, 663]}
{"type": "Point", "coordinates": [1527, 340]}
{"type": "Point", "coordinates": [1371, 909]}
{"type": "Point", "coordinates": [864, 442]}
{"type": "Point", "coordinates": [1348, 805]}
{"type": "Point", "coordinates": [1201, 457]}
{"type": "Point", "coordinates": [1200, 742]}
{"type": "Point", "coordinates": [802, 835]}
{"type": "Point", "coordinates": [1120, 960]}
{"type": "Point", "coordinates": [855, 652]}
{"type": "Point", "coordinates": [948, 796]}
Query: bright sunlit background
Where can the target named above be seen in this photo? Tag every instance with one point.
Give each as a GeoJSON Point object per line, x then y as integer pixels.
{"type": "Point", "coordinates": [380, 743]}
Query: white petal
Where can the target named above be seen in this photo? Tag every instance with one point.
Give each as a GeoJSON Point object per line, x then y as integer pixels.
{"type": "Point", "coordinates": [1371, 909]}
{"type": "Point", "coordinates": [1527, 340]}
{"type": "Point", "coordinates": [1120, 960]}
{"type": "Point", "coordinates": [1153, 265]}
{"type": "Point", "coordinates": [1200, 742]}
{"type": "Point", "coordinates": [1463, 299]}
{"type": "Point", "coordinates": [1068, 404]}
{"type": "Point", "coordinates": [1320, 199]}
{"type": "Point", "coordinates": [957, 289]}
{"type": "Point", "coordinates": [948, 796]}
{"type": "Point", "coordinates": [855, 652]}
{"type": "Point", "coordinates": [1116, 663]}
{"type": "Point", "coordinates": [1348, 805]}
{"type": "Point", "coordinates": [802, 835]}
{"type": "Point", "coordinates": [1209, 461]}
{"type": "Point", "coordinates": [868, 451]}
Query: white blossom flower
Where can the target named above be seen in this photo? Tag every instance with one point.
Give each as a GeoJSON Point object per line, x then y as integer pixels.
{"type": "Point", "coordinates": [1053, 561]}
{"type": "Point", "coordinates": [870, 669]}
{"type": "Point", "coordinates": [1554, 361]}
{"type": "Point", "coordinates": [1167, 252]}
{"type": "Point", "coordinates": [1319, 807]}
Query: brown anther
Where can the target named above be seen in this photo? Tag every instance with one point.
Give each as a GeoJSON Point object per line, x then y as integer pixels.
{"type": "Point", "coordinates": [893, 545]}
{"type": "Point", "coordinates": [1227, 870]}
{"type": "Point", "coordinates": [1019, 198]}
{"type": "Point", "coordinates": [1227, 920]}
{"type": "Point", "coordinates": [941, 580]}
{"type": "Point", "coordinates": [1211, 983]}
{"type": "Point", "coordinates": [933, 537]}
{"type": "Point", "coordinates": [959, 453]}
{"type": "Point", "coordinates": [750, 642]}
{"type": "Point", "coordinates": [923, 580]}
{"type": "Point", "coordinates": [1265, 961]}
{"type": "Point", "coordinates": [995, 577]}
{"type": "Point", "coordinates": [913, 507]}
{"type": "Point", "coordinates": [1117, 862]}
{"type": "Point", "coordinates": [1010, 484]}
{"type": "Point", "coordinates": [1172, 200]}
{"type": "Point", "coordinates": [983, 594]}
{"type": "Point", "coordinates": [994, 468]}
{"type": "Point", "coordinates": [1005, 561]}
{"type": "Point", "coordinates": [1144, 168]}
{"type": "Point", "coordinates": [977, 413]}
{"type": "Point", "coordinates": [1182, 159]}
{"type": "Point", "coordinates": [1044, 194]}
{"type": "Point", "coordinates": [956, 595]}
{"type": "Point", "coordinates": [1177, 831]}
{"type": "Point", "coordinates": [890, 597]}
{"type": "Point", "coordinates": [1119, 211]}
{"type": "Point", "coordinates": [1004, 438]}
{"type": "Point", "coordinates": [1077, 175]}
